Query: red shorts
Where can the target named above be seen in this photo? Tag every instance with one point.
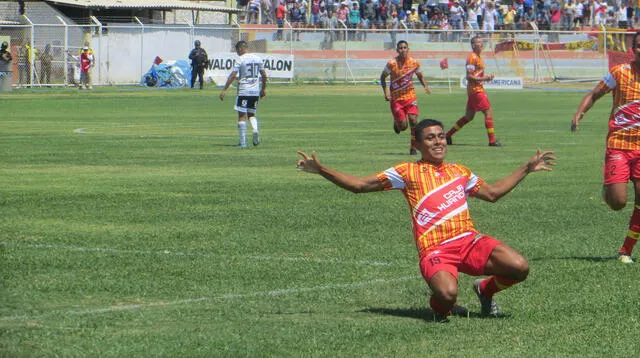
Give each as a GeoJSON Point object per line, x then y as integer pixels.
{"type": "Point", "coordinates": [468, 254]}
{"type": "Point", "coordinates": [478, 102]}
{"type": "Point", "coordinates": [620, 165]}
{"type": "Point", "coordinates": [401, 109]}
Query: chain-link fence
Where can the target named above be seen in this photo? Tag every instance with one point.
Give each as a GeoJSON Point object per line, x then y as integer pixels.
{"type": "Point", "coordinates": [47, 54]}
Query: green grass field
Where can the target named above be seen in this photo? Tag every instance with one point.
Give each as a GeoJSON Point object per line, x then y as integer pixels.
{"type": "Point", "coordinates": [130, 226]}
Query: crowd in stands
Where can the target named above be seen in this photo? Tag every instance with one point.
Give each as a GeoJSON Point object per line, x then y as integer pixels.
{"type": "Point", "coordinates": [485, 15]}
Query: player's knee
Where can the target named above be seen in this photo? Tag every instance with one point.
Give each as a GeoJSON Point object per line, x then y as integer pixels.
{"type": "Point", "coordinates": [614, 202]}
{"type": "Point", "coordinates": [520, 269]}
{"type": "Point", "coordinates": [447, 294]}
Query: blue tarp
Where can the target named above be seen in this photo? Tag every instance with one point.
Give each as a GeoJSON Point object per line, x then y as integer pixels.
{"type": "Point", "coordinates": [171, 74]}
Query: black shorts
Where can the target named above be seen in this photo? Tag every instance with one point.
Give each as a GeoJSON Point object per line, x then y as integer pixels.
{"type": "Point", "coordinates": [247, 104]}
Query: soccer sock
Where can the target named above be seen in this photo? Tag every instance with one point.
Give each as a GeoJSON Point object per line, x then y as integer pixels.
{"type": "Point", "coordinates": [438, 307]}
{"type": "Point", "coordinates": [495, 284]}
{"type": "Point", "coordinates": [459, 124]}
{"type": "Point", "coordinates": [488, 123]}
{"type": "Point", "coordinates": [242, 132]}
{"type": "Point", "coordinates": [633, 233]}
{"type": "Point", "coordinates": [254, 124]}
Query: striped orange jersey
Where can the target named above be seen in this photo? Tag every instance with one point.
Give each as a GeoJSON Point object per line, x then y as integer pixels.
{"type": "Point", "coordinates": [437, 196]}
{"type": "Point", "coordinates": [475, 67]}
{"type": "Point", "coordinates": [624, 121]}
{"type": "Point", "coordinates": [402, 78]}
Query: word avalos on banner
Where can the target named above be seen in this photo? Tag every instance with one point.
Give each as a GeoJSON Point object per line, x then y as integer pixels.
{"type": "Point", "coordinates": [508, 83]}
{"type": "Point", "coordinates": [276, 66]}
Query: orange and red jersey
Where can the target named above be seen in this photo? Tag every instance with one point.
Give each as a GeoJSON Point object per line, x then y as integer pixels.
{"type": "Point", "coordinates": [475, 67]}
{"type": "Point", "coordinates": [401, 86]}
{"type": "Point", "coordinates": [437, 196]}
{"type": "Point", "coordinates": [624, 121]}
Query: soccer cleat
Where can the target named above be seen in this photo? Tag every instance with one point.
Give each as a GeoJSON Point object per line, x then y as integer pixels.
{"type": "Point", "coordinates": [460, 311]}
{"type": "Point", "coordinates": [495, 144]}
{"type": "Point", "coordinates": [488, 307]}
{"type": "Point", "coordinates": [239, 145]}
{"type": "Point", "coordinates": [449, 141]}
{"type": "Point", "coordinates": [256, 139]}
{"type": "Point", "coordinates": [624, 258]}
{"type": "Point", "coordinates": [413, 151]}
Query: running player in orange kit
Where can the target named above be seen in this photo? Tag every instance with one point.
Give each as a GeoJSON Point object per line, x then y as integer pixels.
{"type": "Point", "coordinates": [402, 96]}
{"type": "Point", "coordinates": [622, 156]}
{"type": "Point", "coordinates": [477, 97]}
{"type": "Point", "coordinates": [445, 236]}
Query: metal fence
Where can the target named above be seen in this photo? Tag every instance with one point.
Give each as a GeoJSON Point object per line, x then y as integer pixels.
{"type": "Point", "coordinates": [44, 53]}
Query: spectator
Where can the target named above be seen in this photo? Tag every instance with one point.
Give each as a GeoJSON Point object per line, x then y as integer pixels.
{"type": "Point", "coordinates": [281, 12]}
{"type": "Point", "coordinates": [568, 11]}
{"type": "Point", "coordinates": [555, 22]}
{"type": "Point", "coordinates": [622, 16]}
{"type": "Point", "coordinates": [315, 13]}
{"type": "Point", "coordinates": [394, 24]}
{"type": "Point", "coordinates": [303, 6]}
{"type": "Point", "coordinates": [489, 18]}
{"type": "Point", "coordinates": [254, 11]}
{"type": "Point", "coordinates": [354, 21]}
{"type": "Point", "coordinates": [297, 20]}
{"type": "Point", "coordinates": [323, 17]}
{"type": "Point", "coordinates": [456, 19]}
{"type": "Point", "coordinates": [46, 61]}
{"type": "Point", "coordinates": [578, 17]}
{"type": "Point", "coordinates": [472, 17]}
{"type": "Point", "coordinates": [382, 9]}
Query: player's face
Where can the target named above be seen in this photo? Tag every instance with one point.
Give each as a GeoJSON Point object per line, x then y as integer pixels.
{"type": "Point", "coordinates": [433, 145]}
{"type": "Point", "coordinates": [403, 50]}
{"type": "Point", "coordinates": [477, 45]}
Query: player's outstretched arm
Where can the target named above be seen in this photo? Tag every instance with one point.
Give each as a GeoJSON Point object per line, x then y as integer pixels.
{"type": "Point", "coordinates": [232, 77]}
{"type": "Point", "coordinates": [586, 103]}
{"type": "Point", "coordinates": [541, 161]}
{"type": "Point", "coordinates": [311, 164]}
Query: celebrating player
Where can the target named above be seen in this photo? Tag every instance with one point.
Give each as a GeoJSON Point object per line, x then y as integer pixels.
{"type": "Point", "coordinates": [477, 97]}
{"type": "Point", "coordinates": [252, 84]}
{"type": "Point", "coordinates": [445, 236]}
{"type": "Point", "coordinates": [402, 96]}
{"type": "Point", "coordinates": [623, 141]}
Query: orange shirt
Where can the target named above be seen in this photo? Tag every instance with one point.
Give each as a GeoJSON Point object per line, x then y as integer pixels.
{"type": "Point", "coordinates": [437, 197]}
{"type": "Point", "coordinates": [624, 121]}
{"type": "Point", "coordinates": [401, 86]}
{"type": "Point", "coordinates": [475, 67]}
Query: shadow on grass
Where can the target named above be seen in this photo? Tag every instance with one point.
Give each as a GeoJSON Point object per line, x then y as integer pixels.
{"type": "Point", "coordinates": [424, 314]}
{"type": "Point", "coordinates": [578, 258]}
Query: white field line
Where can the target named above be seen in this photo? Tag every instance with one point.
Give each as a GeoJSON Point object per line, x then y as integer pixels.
{"type": "Point", "coordinates": [194, 254]}
{"type": "Point", "coordinates": [228, 296]}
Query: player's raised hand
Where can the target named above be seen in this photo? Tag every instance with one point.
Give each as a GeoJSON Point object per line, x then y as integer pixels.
{"type": "Point", "coordinates": [308, 164]}
{"type": "Point", "coordinates": [541, 161]}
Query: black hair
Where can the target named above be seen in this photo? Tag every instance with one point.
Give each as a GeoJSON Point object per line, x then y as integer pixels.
{"type": "Point", "coordinates": [425, 123]}
{"type": "Point", "coordinates": [402, 42]}
{"type": "Point", "coordinates": [242, 44]}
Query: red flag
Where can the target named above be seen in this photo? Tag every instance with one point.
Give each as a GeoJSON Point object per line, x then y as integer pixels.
{"type": "Point", "coordinates": [444, 64]}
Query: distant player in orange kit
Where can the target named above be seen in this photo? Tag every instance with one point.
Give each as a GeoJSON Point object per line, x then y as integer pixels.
{"type": "Point", "coordinates": [401, 94]}
{"type": "Point", "coordinates": [477, 97]}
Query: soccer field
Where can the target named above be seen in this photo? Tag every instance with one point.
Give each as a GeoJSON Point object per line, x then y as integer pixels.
{"type": "Point", "coordinates": [131, 226]}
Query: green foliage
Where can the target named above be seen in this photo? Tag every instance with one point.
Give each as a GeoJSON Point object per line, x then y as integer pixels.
{"type": "Point", "coordinates": [131, 226]}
